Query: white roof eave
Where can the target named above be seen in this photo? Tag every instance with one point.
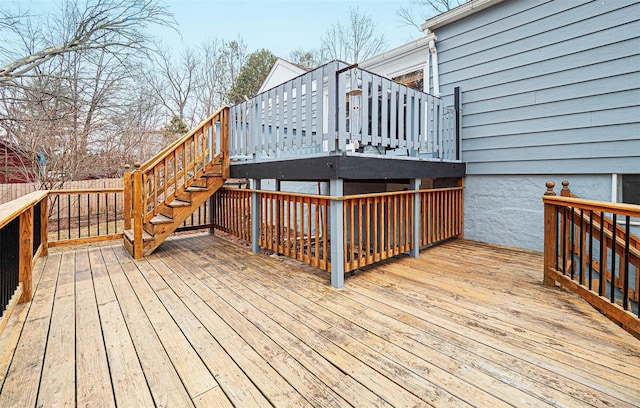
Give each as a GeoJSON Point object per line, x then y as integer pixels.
{"type": "Point", "coordinates": [458, 13]}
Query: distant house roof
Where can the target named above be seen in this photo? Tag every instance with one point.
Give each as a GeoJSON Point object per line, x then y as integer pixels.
{"type": "Point", "coordinates": [281, 72]}
{"type": "Point", "coordinates": [15, 165]}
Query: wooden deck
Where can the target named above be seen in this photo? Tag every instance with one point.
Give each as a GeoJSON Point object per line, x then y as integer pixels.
{"type": "Point", "coordinates": [204, 322]}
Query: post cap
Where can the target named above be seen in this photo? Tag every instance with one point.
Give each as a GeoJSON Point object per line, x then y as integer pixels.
{"type": "Point", "coordinates": [550, 185]}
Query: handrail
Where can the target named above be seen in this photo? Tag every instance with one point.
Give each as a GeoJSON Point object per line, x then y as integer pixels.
{"type": "Point", "coordinates": [607, 222]}
{"type": "Point", "coordinates": [9, 211]}
{"type": "Point", "coordinates": [599, 262]}
{"type": "Point", "coordinates": [631, 210]}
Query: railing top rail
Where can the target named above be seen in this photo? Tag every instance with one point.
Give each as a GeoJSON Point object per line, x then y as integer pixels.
{"type": "Point", "coordinates": [152, 162]}
{"type": "Point", "coordinates": [9, 211]}
{"type": "Point", "coordinates": [631, 210]}
{"type": "Point", "coordinates": [348, 197]}
{"type": "Point", "coordinates": [404, 192]}
{"type": "Point", "coordinates": [88, 190]}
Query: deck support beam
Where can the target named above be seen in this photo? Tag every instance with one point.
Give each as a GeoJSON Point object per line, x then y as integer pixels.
{"type": "Point", "coordinates": [254, 184]}
{"type": "Point", "coordinates": [415, 247]}
{"type": "Point", "coordinates": [336, 189]}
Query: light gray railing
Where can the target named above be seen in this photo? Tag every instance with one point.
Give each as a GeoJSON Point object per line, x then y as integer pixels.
{"type": "Point", "coordinates": [337, 108]}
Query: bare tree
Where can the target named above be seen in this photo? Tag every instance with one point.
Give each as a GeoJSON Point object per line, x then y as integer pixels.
{"type": "Point", "coordinates": [219, 68]}
{"type": "Point", "coordinates": [307, 58]}
{"type": "Point", "coordinates": [424, 9]}
{"type": "Point", "coordinates": [104, 24]}
{"type": "Point", "coordinates": [175, 80]}
{"type": "Point", "coordinates": [67, 78]}
{"type": "Point", "coordinates": [353, 41]}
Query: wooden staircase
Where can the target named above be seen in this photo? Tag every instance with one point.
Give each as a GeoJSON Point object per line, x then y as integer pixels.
{"type": "Point", "coordinates": [161, 193]}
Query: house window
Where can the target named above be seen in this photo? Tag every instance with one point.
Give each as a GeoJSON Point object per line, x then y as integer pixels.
{"type": "Point", "coordinates": [626, 189]}
{"type": "Point", "coordinates": [413, 79]}
{"type": "Point", "coordinates": [630, 186]}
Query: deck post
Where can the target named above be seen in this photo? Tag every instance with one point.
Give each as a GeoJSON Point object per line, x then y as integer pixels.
{"type": "Point", "coordinates": [138, 212]}
{"type": "Point", "coordinates": [254, 184]}
{"type": "Point", "coordinates": [127, 196]}
{"type": "Point", "coordinates": [336, 189]}
{"type": "Point", "coordinates": [550, 233]}
{"type": "Point", "coordinates": [415, 244]}
{"type": "Point", "coordinates": [278, 205]}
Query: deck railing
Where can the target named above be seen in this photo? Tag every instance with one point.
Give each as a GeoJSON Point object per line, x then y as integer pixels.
{"type": "Point", "coordinates": [596, 259]}
{"type": "Point", "coordinates": [337, 108]}
{"type": "Point", "coordinates": [232, 212]}
{"type": "Point", "coordinates": [295, 225]}
{"type": "Point", "coordinates": [84, 216]}
{"type": "Point", "coordinates": [374, 226]}
{"type": "Point", "coordinates": [23, 238]}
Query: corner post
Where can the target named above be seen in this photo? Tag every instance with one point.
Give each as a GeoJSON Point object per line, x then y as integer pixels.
{"type": "Point", "coordinates": [415, 245]}
{"type": "Point", "coordinates": [565, 192]}
{"type": "Point", "coordinates": [224, 142]}
{"type": "Point", "coordinates": [460, 210]}
{"type": "Point", "coordinates": [457, 102]}
{"type": "Point", "coordinates": [127, 196]}
{"type": "Point", "coordinates": [550, 234]}
{"type": "Point", "coordinates": [138, 214]}
{"type": "Point", "coordinates": [255, 215]}
{"type": "Point", "coordinates": [336, 217]}
{"type": "Point", "coordinates": [26, 254]}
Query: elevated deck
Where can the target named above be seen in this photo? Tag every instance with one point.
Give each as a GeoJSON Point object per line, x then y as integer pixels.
{"type": "Point", "coordinates": [203, 322]}
{"type": "Point", "coordinates": [343, 110]}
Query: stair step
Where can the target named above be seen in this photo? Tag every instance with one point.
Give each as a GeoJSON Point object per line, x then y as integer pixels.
{"type": "Point", "coordinates": [179, 203]}
{"type": "Point", "coordinates": [145, 235]}
{"type": "Point", "coordinates": [195, 189]}
{"type": "Point", "coordinates": [161, 219]}
{"type": "Point", "coordinates": [212, 174]}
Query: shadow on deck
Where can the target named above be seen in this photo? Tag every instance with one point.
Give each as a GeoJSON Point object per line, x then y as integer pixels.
{"type": "Point", "coordinates": [204, 322]}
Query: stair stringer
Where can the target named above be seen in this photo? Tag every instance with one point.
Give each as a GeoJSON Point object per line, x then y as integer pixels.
{"type": "Point", "coordinates": [160, 231]}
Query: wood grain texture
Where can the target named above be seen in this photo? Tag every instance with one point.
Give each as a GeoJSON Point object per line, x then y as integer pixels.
{"type": "Point", "coordinates": [467, 324]}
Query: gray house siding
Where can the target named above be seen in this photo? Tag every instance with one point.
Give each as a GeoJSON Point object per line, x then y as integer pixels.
{"type": "Point", "coordinates": [549, 87]}
{"type": "Point", "coordinates": [551, 91]}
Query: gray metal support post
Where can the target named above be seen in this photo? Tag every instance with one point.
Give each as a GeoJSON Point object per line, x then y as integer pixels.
{"type": "Point", "coordinates": [415, 248]}
{"type": "Point", "coordinates": [337, 239]}
{"type": "Point", "coordinates": [254, 184]}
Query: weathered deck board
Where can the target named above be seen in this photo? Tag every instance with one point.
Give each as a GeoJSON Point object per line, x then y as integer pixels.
{"type": "Point", "coordinates": [204, 323]}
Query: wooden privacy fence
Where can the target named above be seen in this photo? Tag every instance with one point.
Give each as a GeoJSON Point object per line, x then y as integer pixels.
{"type": "Point", "coordinates": [593, 255]}
{"type": "Point", "coordinates": [374, 226]}
{"type": "Point", "coordinates": [12, 191]}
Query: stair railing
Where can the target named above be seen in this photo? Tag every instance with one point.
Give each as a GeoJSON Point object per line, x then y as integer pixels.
{"type": "Point", "coordinates": [593, 255]}
{"type": "Point", "coordinates": [158, 181]}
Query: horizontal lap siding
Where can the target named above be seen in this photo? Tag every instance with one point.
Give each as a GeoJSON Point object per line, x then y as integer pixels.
{"type": "Point", "coordinates": [548, 86]}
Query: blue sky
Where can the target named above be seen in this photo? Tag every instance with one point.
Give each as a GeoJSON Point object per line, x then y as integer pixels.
{"type": "Point", "coordinates": [279, 26]}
